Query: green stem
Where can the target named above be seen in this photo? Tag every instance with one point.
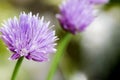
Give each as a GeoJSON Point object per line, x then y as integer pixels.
{"type": "Point", "coordinates": [60, 51]}
{"type": "Point", "coordinates": [16, 69]}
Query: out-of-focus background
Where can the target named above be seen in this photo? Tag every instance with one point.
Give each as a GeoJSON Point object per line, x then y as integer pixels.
{"type": "Point", "coordinates": [91, 55]}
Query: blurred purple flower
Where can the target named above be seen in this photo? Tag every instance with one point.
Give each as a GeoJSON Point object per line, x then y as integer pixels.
{"type": "Point", "coordinates": [29, 36]}
{"type": "Point", "coordinates": [99, 1]}
{"type": "Point", "coordinates": [75, 15]}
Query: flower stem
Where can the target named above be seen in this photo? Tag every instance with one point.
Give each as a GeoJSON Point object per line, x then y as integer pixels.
{"type": "Point", "coordinates": [60, 51]}
{"type": "Point", "coordinates": [16, 69]}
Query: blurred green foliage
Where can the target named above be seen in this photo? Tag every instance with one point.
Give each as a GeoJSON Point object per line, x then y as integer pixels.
{"type": "Point", "coordinates": [115, 1]}
{"type": "Point", "coordinates": [6, 11]}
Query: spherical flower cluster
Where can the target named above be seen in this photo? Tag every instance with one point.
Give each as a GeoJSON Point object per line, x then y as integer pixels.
{"type": "Point", "coordinates": [29, 36]}
{"type": "Point", "coordinates": [76, 15]}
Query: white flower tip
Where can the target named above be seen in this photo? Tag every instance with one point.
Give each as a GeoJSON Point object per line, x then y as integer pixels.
{"type": "Point", "coordinates": [42, 18]}
{"type": "Point", "coordinates": [48, 23]}
{"type": "Point", "coordinates": [56, 38]}
{"type": "Point", "coordinates": [37, 14]}
{"type": "Point", "coordinates": [52, 26]}
{"type": "Point", "coordinates": [23, 12]}
{"type": "Point", "coordinates": [10, 59]}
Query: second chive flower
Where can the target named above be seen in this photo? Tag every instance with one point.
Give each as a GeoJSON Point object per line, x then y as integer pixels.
{"type": "Point", "coordinates": [29, 36]}
{"type": "Point", "coordinates": [75, 15]}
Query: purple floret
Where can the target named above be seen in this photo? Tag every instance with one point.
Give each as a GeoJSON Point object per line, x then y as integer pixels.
{"type": "Point", "coordinates": [29, 36]}
{"type": "Point", "coordinates": [75, 15]}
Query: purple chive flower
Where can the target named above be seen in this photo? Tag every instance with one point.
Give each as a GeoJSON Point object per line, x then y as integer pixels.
{"type": "Point", "coordinates": [29, 36]}
{"type": "Point", "coordinates": [99, 1]}
{"type": "Point", "coordinates": [75, 15]}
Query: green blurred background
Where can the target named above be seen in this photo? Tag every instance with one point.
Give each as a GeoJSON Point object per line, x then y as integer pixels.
{"type": "Point", "coordinates": [91, 55]}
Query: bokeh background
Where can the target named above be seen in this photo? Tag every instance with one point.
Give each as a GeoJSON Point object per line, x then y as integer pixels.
{"type": "Point", "coordinates": [91, 55]}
